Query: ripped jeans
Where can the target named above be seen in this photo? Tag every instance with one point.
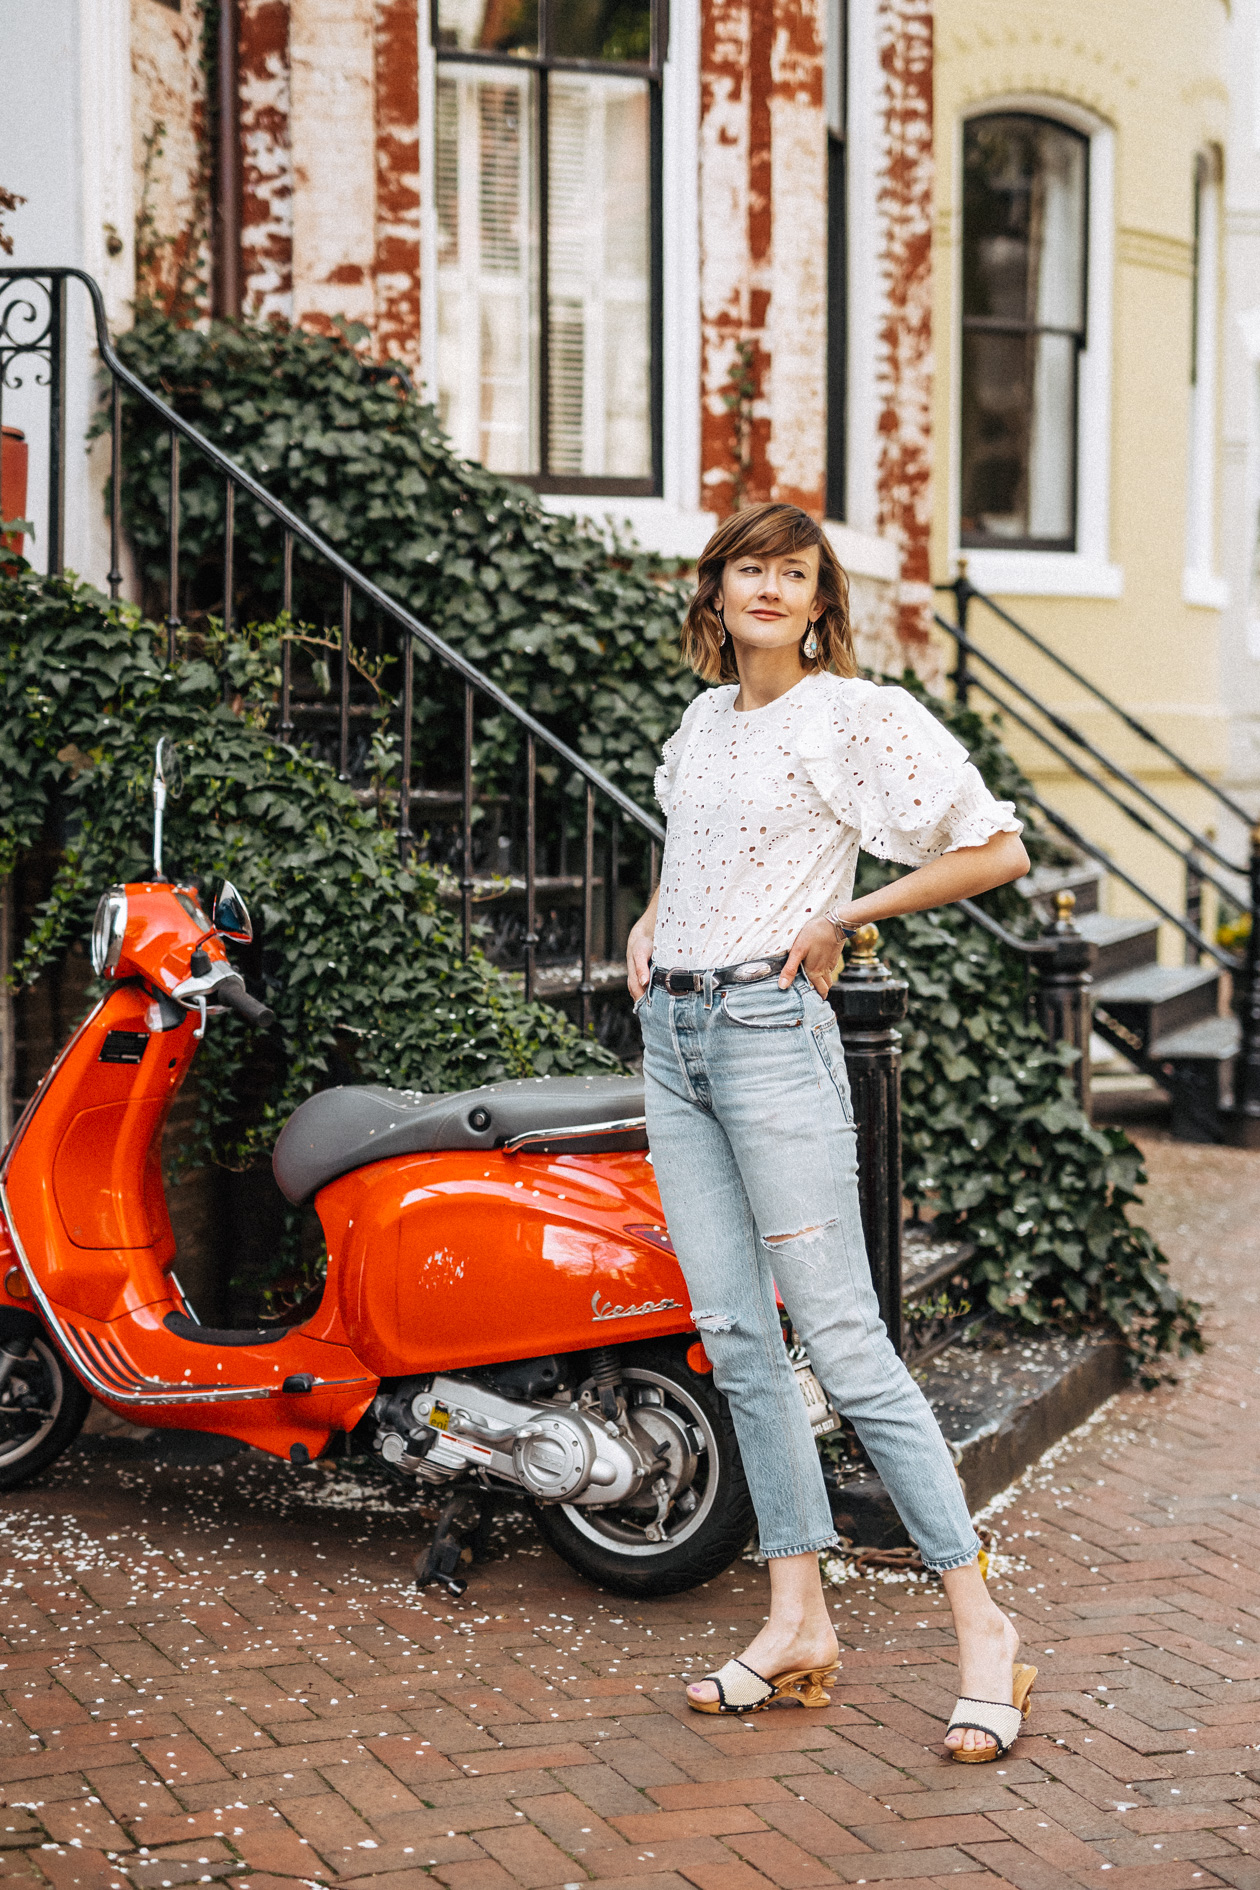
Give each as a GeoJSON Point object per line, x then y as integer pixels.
{"type": "Point", "coordinates": [751, 1130]}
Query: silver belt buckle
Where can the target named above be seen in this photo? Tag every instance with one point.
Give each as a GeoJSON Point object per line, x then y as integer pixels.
{"type": "Point", "coordinates": [695, 982]}
{"type": "Point", "coordinates": [751, 972]}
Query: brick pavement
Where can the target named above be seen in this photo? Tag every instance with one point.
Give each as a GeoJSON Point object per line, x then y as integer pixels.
{"type": "Point", "coordinates": [220, 1673]}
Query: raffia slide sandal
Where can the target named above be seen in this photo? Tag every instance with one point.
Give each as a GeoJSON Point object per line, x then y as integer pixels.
{"type": "Point", "coordinates": [1003, 1723]}
{"type": "Point", "coordinates": [742, 1690]}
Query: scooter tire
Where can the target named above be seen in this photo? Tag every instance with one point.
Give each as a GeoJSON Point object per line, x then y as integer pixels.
{"type": "Point", "coordinates": [63, 1406]}
{"type": "Point", "coordinates": [723, 1529]}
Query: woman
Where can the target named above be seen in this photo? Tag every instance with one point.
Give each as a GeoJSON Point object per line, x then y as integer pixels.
{"type": "Point", "coordinates": [770, 786]}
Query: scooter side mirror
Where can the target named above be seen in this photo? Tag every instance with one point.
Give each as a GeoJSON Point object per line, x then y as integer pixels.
{"type": "Point", "coordinates": [231, 914]}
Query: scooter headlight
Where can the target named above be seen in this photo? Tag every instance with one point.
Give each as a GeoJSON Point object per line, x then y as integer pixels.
{"type": "Point", "coordinates": [107, 931]}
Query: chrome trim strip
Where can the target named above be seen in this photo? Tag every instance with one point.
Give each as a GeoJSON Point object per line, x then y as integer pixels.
{"type": "Point", "coordinates": [572, 1133]}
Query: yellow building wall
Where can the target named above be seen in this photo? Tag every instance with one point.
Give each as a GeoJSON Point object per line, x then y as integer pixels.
{"type": "Point", "coordinates": [1154, 71]}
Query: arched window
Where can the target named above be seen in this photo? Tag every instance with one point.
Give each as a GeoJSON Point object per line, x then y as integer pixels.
{"type": "Point", "coordinates": [1025, 240]}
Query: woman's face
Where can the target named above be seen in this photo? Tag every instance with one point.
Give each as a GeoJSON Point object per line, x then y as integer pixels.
{"type": "Point", "coordinates": [770, 602]}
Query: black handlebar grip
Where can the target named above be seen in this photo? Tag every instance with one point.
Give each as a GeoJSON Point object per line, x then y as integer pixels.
{"type": "Point", "coordinates": [232, 992]}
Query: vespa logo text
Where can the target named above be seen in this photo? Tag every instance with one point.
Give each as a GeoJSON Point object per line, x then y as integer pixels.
{"type": "Point", "coordinates": [605, 1311]}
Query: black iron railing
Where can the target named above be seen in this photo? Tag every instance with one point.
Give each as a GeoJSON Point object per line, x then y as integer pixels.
{"type": "Point", "coordinates": [33, 339]}
{"type": "Point", "coordinates": [1198, 852]}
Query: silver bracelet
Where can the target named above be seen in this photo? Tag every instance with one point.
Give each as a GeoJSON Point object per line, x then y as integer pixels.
{"type": "Point", "coordinates": [842, 930]}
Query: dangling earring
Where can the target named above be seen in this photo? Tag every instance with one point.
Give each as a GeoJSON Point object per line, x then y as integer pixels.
{"type": "Point", "coordinates": [722, 621]}
{"type": "Point", "coordinates": [811, 644]}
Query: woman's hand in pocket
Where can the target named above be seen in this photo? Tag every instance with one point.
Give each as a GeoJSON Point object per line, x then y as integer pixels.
{"type": "Point", "coordinates": [639, 952]}
{"type": "Point", "coordinates": [815, 952]}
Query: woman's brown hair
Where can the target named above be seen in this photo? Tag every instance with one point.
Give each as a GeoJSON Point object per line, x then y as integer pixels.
{"type": "Point", "coordinates": [767, 531]}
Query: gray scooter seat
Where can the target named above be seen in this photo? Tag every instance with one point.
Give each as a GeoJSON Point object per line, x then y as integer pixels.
{"type": "Point", "coordinates": [341, 1129]}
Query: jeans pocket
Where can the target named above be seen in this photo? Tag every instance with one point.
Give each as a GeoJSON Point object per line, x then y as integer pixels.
{"type": "Point", "coordinates": [826, 1037]}
{"type": "Point", "coordinates": [763, 1006]}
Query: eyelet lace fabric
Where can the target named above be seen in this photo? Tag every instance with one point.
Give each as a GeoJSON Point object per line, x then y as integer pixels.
{"type": "Point", "coordinates": [768, 809]}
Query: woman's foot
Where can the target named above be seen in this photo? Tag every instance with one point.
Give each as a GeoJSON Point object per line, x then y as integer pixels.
{"type": "Point", "coordinates": [987, 1646]}
{"type": "Point", "coordinates": [780, 1649]}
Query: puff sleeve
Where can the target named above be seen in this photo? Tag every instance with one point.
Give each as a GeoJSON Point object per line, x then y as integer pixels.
{"type": "Point", "coordinates": [888, 768]}
{"type": "Point", "coordinates": [672, 754]}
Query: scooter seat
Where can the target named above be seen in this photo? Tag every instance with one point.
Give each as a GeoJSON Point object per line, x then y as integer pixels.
{"type": "Point", "coordinates": [341, 1129]}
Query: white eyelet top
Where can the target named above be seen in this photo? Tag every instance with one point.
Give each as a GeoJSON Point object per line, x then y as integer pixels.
{"type": "Point", "coordinates": [767, 809]}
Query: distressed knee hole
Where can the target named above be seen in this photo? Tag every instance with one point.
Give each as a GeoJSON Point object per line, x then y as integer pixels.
{"type": "Point", "coordinates": [807, 1236]}
{"type": "Point", "coordinates": [712, 1321]}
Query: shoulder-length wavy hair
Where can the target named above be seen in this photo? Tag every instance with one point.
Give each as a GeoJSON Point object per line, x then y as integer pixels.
{"type": "Point", "coordinates": [767, 531]}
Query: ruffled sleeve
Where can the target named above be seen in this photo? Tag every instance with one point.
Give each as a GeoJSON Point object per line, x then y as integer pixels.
{"type": "Point", "coordinates": [887, 767]}
{"type": "Point", "coordinates": [672, 754]}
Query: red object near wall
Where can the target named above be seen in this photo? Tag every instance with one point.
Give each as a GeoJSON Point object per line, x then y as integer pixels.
{"type": "Point", "coordinates": [14, 460]}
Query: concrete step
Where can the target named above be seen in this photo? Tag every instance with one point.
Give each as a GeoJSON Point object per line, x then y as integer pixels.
{"type": "Point", "coordinates": [1196, 1066]}
{"type": "Point", "coordinates": [1153, 1001]}
{"type": "Point", "coordinates": [1213, 1040]}
{"type": "Point", "coordinates": [1123, 944]}
{"type": "Point", "coordinates": [1002, 1397]}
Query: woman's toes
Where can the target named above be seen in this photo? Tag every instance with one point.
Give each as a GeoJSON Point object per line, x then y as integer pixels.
{"type": "Point", "coordinates": [702, 1691]}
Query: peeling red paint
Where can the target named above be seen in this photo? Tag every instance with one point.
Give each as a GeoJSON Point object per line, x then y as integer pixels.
{"type": "Point", "coordinates": [904, 474]}
{"type": "Point", "coordinates": [397, 262]}
{"type": "Point", "coordinates": [266, 162]}
{"type": "Point", "coordinates": [761, 69]}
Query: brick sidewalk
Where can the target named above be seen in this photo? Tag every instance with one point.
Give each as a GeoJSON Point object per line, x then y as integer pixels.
{"type": "Point", "coordinates": [220, 1672]}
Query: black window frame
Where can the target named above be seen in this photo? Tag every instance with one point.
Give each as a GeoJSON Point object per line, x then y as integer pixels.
{"type": "Point", "coordinates": [543, 63]}
{"type": "Point", "coordinates": [837, 469]}
{"type": "Point", "coordinates": [994, 541]}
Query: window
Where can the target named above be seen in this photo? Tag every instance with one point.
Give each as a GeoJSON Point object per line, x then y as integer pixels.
{"type": "Point", "coordinates": [837, 258]}
{"type": "Point", "coordinates": [547, 186]}
{"type": "Point", "coordinates": [1024, 299]}
{"type": "Point", "coordinates": [1201, 585]}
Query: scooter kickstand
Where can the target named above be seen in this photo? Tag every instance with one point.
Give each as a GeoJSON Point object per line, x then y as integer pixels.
{"type": "Point", "coordinates": [466, 1515]}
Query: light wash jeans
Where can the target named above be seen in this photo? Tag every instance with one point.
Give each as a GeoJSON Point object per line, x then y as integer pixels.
{"type": "Point", "coordinates": [750, 1124]}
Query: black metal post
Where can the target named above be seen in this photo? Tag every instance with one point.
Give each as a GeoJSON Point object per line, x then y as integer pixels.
{"type": "Point", "coordinates": [963, 591]}
{"type": "Point", "coordinates": [57, 427]}
{"type": "Point", "coordinates": [229, 556]}
{"type": "Point", "coordinates": [343, 732]}
{"type": "Point", "coordinates": [172, 532]}
{"type": "Point", "coordinates": [531, 864]}
{"type": "Point", "coordinates": [869, 1003]}
{"type": "Point", "coordinates": [405, 836]}
{"type": "Point", "coordinates": [1063, 963]}
{"type": "Point", "coordinates": [286, 648]}
{"type": "Point", "coordinates": [1246, 1123]}
{"type": "Point", "coordinates": [586, 989]}
{"type": "Point", "coordinates": [466, 883]}
{"type": "Point", "coordinates": [115, 488]}
{"type": "Point", "coordinates": [1194, 902]}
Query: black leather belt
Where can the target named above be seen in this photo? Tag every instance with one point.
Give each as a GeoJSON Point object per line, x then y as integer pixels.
{"type": "Point", "coordinates": [681, 983]}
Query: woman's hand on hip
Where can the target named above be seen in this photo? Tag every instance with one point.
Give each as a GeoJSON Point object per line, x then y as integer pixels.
{"type": "Point", "coordinates": [639, 952]}
{"type": "Point", "coordinates": [816, 953]}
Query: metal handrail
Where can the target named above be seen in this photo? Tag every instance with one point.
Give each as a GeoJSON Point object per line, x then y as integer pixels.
{"type": "Point", "coordinates": [1198, 841]}
{"type": "Point", "coordinates": [296, 529]}
{"type": "Point", "coordinates": [1246, 1111]}
{"type": "Point", "coordinates": [963, 590]}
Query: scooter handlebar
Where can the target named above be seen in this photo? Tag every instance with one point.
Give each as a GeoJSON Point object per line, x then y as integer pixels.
{"type": "Point", "coordinates": [232, 993]}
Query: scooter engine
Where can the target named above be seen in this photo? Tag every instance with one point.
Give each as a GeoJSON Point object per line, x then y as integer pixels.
{"type": "Point", "coordinates": [437, 1429]}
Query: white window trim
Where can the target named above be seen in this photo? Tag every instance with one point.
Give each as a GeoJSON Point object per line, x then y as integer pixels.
{"type": "Point", "coordinates": [673, 524]}
{"type": "Point", "coordinates": [1201, 583]}
{"type": "Point", "coordinates": [1087, 571]}
{"type": "Point", "coordinates": [1248, 321]}
{"type": "Point", "coordinates": [864, 287]}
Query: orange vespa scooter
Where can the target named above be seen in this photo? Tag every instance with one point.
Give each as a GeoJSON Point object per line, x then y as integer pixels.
{"type": "Point", "coordinates": [502, 1309]}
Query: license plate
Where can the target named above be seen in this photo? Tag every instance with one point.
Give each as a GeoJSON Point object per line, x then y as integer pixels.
{"type": "Point", "coordinates": [822, 1418]}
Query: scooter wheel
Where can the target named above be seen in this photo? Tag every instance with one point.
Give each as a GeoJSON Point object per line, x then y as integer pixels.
{"type": "Point", "coordinates": [42, 1408]}
{"type": "Point", "coordinates": [711, 1518]}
